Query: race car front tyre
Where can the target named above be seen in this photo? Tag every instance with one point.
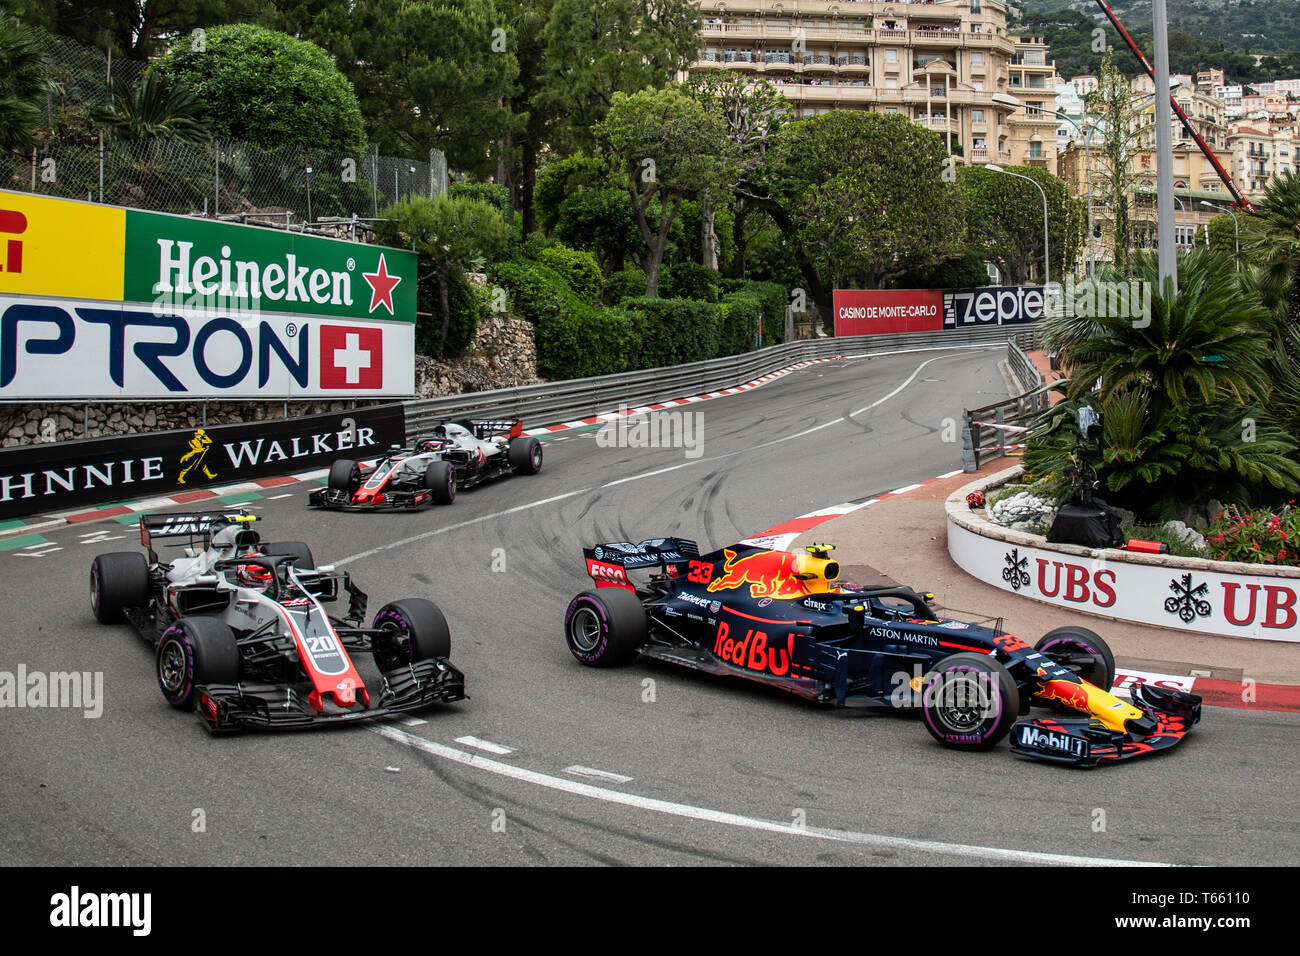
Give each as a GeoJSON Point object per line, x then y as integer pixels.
{"type": "Point", "coordinates": [525, 455]}
{"type": "Point", "coordinates": [195, 651]}
{"type": "Point", "coordinates": [440, 479]}
{"type": "Point", "coordinates": [605, 627]}
{"type": "Point", "coordinates": [414, 629]}
{"type": "Point", "coordinates": [298, 549]}
{"type": "Point", "coordinates": [118, 580]}
{"type": "Point", "coordinates": [969, 702]}
{"type": "Point", "coordinates": [345, 476]}
{"type": "Point", "coordinates": [1082, 651]}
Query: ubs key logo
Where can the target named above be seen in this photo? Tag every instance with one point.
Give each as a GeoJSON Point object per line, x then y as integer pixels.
{"type": "Point", "coordinates": [14, 223]}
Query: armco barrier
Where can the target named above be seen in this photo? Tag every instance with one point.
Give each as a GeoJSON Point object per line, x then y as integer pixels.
{"type": "Point", "coordinates": [543, 404]}
{"type": "Point", "coordinates": [576, 399]}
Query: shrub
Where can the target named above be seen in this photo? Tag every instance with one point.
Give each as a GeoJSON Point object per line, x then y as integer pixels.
{"type": "Point", "coordinates": [674, 331]}
{"type": "Point", "coordinates": [467, 301]}
{"type": "Point", "coordinates": [626, 284]}
{"type": "Point", "coordinates": [535, 244]}
{"type": "Point", "coordinates": [741, 314]}
{"type": "Point", "coordinates": [690, 280]}
{"type": "Point", "coordinates": [1258, 537]}
{"type": "Point", "coordinates": [535, 291]}
{"type": "Point", "coordinates": [494, 194]}
{"type": "Point", "coordinates": [585, 343]}
{"type": "Point", "coordinates": [577, 268]}
{"type": "Point", "coordinates": [773, 299]}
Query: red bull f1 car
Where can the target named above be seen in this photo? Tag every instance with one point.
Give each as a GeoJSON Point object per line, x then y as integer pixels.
{"type": "Point", "coordinates": [779, 618]}
{"type": "Point", "coordinates": [456, 456]}
{"type": "Point", "coordinates": [241, 634]}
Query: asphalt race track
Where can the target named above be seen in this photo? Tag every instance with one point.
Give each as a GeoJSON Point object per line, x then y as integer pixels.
{"type": "Point", "coordinates": [553, 763]}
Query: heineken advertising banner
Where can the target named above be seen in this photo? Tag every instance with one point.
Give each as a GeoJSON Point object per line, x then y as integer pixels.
{"type": "Point", "coordinates": [100, 302]}
{"type": "Point", "coordinates": [43, 478]}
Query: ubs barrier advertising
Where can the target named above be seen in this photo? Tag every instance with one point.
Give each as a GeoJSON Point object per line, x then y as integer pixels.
{"type": "Point", "coordinates": [1208, 602]}
{"type": "Point", "coordinates": [101, 302]}
{"type": "Point", "coordinates": [56, 476]}
{"type": "Point", "coordinates": [877, 311]}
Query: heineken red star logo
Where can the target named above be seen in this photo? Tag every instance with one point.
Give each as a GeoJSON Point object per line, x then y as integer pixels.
{"type": "Point", "coordinates": [381, 286]}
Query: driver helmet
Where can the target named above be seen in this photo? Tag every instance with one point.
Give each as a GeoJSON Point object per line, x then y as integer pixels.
{"type": "Point", "coordinates": [253, 575]}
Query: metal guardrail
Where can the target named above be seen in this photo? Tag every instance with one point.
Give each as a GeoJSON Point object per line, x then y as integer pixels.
{"type": "Point", "coordinates": [981, 439]}
{"type": "Point", "coordinates": [552, 402]}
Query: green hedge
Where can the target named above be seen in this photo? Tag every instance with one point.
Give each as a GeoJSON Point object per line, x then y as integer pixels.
{"type": "Point", "coordinates": [535, 292]}
{"type": "Point", "coordinates": [577, 268]}
{"type": "Point", "coordinates": [585, 343]}
{"type": "Point", "coordinates": [467, 303]}
{"type": "Point", "coordinates": [494, 194]}
{"type": "Point", "coordinates": [674, 331]}
{"type": "Point", "coordinates": [627, 284]}
{"type": "Point", "coordinates": [741, 313]}
{"type": "Point", "coordinates": [690, 280]}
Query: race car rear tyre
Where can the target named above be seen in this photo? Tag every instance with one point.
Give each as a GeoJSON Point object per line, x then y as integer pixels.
{"type": "Point", "coordinates": [440, 479]}
{"type": "Point", "coordinates": [969, 702]}
{"type": "Point", "coordinates": [605, 627]}
{"type": "Point", "coordinates": [414, 630]}
{"type": "Point", "coordinates": [118, 580]}
{"type": "Point", "coordinates": [525, 455]}
{"type": "Point", "coordinates": [195, 651]}
{"type": "Point", "coordinates": [298, 549]}
{"type": "Point", "coordinates": [345, 476]}
{"type": "Point", "coordinates": [1082, 651]}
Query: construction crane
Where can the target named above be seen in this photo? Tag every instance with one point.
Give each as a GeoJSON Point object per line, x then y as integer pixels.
{"type": "Point", "coordinates": [1237, 196]}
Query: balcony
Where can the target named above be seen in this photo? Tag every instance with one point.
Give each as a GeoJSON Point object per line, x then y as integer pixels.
{"type": "Point", "coordinates": [979, 154]}
{"type": "Point", "coordinates": [940, 124]}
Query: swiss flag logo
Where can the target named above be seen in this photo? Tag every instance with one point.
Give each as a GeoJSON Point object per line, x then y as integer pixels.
{"type": "Point", "coordinates": [351, 357]}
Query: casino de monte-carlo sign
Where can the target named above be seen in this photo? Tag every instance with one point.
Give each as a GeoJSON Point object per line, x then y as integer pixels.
{"type": "Point", "coordinates": [101, 302]}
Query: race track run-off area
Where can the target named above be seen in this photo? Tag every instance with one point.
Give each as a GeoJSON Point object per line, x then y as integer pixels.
{"type": "Point", "coordinates": [550, 762]}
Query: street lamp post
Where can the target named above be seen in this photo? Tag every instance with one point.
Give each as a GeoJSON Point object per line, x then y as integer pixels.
{"type": "Point", "coordinates": [1006, 99]}
{"type": "Point", "coordinates": [309, 194]}
{"type": "Point", "coordinates": [1236, 232]}
{"type": "Point", "coordinates": [1047, 259]}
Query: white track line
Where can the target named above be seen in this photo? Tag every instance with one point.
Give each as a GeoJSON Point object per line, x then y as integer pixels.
{"type": "Point", "coordinates": [489, 746]}
{"type": "Point", "coordinates": [726, 818]}
{"type": "Point", "coordinates": [582, 771]}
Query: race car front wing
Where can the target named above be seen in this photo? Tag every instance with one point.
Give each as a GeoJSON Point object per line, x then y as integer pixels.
{"type": "Point", "coordinates": [229, 707]}
{"type": "Point", "coordinates": [1168, 716]}
{"type": "Point", "coordinates": [342, 501]}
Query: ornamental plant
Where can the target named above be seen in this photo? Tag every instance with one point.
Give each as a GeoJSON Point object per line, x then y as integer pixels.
{"type": "Point", "coordinates": [1256, 537]}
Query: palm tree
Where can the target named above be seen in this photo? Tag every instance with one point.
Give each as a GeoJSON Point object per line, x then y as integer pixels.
{"type": "Point", "coordinates": [1272, 240]}
{"type": "Point", "coordinates": [154, 110]}
{"type": "Point", "coordinates": [1208, 340]}
{"type": "Point", "coordinates": [22, 85]}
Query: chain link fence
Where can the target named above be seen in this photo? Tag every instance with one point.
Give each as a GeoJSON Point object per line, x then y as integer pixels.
{"type": "Point", "coordinates": [292, 187]}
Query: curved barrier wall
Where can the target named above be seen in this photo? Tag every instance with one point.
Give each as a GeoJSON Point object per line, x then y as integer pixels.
{"type": "Point", "coordinates": [1190, 594]}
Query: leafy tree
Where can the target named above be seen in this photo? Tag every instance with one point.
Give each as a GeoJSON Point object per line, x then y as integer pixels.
{"type": "Point", "coordinates": [1005, 216]}
{"type": "Point", "coordinates": [1112, 176]}
{"type": "Point", "coordinates": [752, 113]}
{"type": "Point", "coordinates": [862, 198]}
{"type": "Point", "coordinates": [154, 109]}
{"type": "Point", "coordinates": [448, 234]}
{"type": "Point", "coordinates": [561, 179]}
{"type": "Point", "coordinates": [267, 88]}
{"type": "Point", "coordinates": [135, 29]}
{"type": "Point", "coordinates": [430, 74]}
{"type": "Point", "coordinates": [662, 140]}
{"type": "Point", "coordinates": [22, 82]}
{"type": "Point", "coordinates": [573, 56]}
{"type": "Point", "coordinates": [603, 221]}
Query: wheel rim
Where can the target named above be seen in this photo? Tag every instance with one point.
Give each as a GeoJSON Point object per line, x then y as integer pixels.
{"type": "Point", "coordinates": [537, 458]}
{"type": "Point", "coordinates": [963, 702]}
{"type": "Point", "coordinates": [171, 666]}
{"type": "Point", "coordinates": [585, 630]}
{"type": "Point", "coordinates": [393, 651]}
{"type": "Point", "coordinates": [94, 590]}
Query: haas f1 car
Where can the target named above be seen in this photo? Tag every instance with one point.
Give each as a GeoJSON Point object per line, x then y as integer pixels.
{"type": "Point", "coordinates": [457, 455]}
{"type": "Point", "coordinates": [241, 634]}
{"type": "Point", "coordinates": [778, 618]}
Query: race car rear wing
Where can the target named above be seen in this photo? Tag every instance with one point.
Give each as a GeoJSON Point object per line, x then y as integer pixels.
{"type": "Point", "coordinates": [655, 552]}
{"type": "Point", "coordinates": [486, 428]}
{"type": "Point", "coordinates": [188, 525]}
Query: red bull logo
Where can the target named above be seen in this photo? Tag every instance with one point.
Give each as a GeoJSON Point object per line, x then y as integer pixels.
{"type": "Point", "coordinates": [753, 651]}
{"type": "Point", "coordinates": [1072, 695]}
{"type": "Point", "coordinates": [775, 574]}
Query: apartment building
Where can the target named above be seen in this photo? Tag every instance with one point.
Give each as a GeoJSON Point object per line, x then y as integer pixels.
{"type": "Point", "coordinates": [1260, 152]}
{"type": "Point", "coordinates": [937, 63]}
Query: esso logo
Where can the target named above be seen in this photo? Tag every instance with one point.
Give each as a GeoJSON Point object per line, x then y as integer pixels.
{"type": "Point", "coordinates": [601, 571]}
